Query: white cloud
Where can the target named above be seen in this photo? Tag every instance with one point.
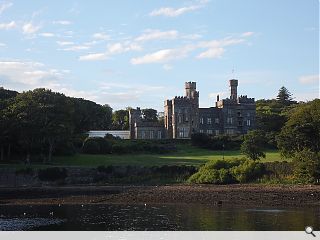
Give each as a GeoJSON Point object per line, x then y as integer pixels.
{"type": "Point", "coordinates": [7, 26]}
{"type": "Point", "coordinates": [247, 34]}
{"type": "Point", "coordinates": [3, 44]}
{"type": "Point", "coordinates": [212, 53]}
{"type": "Point", "coordinates": [309, 79]}
{"type": "Point", "coordinates": [62, 22]}
{"type": "Point", "coordinates": [93, 57]}
{"type": "Point", "coordinates": [157, 34]}
{"type": "Point", "coordinates": [76, 48]}
{"type": "Point", "coordinates": [174, 12]}
{"type": "Point", "coordinates": [192, 36]}
{"type": "Point", "coordinates": [112, 49]}
{"type": "Point", "coordinates": [117, 48]}
{"type": "Point", "coordinates": [101, 36]}
{"type": "Point", "coordinates": [215, 48]}
{"type": "Point", "coordinates": [32, 74]}
{"type": "Point", "coordinates": [46, 34]}
{"type": "Point", "coordinates": [29, 28]}
{"type": "Point", "coordinates": [160, 56]}
{"type": "Point", "coordinates": [64, 43]}
{"type": "Point", "coordinates": [4, 6]}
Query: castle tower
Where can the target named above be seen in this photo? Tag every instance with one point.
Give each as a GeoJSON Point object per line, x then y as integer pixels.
{"type": "Point", "coordinates": [134, 117]}
{"type": "Point", "coordinates": [190, 88]}
{"type": "Point", "coordinates": [233, 89]}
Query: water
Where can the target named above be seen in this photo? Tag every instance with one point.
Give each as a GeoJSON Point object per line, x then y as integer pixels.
{"type": "Point", "coordinates": [155, 217]}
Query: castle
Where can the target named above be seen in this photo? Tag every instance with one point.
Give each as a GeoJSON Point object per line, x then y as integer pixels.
{"type": "Point", "coordinates": [183, 117]}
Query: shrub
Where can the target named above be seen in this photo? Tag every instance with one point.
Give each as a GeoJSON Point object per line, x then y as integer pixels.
{"type": "Point", "coordinates": [306, 166]}
{"type": "Point", "coordinates": [248, 171]}
{"type": "Point", "coordinates": [90, 146]}
{"type": "Point", "coordinates": [225, 172]}
{"type": "Point", "coordinates": [52, 174]}
{"type": "Point", "coordinates": [222, 142]}
{"type": "Point", "coordinates": [97, 145]}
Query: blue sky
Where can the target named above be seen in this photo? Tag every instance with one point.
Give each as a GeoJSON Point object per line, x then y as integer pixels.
{"type": "Point", "coordinates": [139, 53]}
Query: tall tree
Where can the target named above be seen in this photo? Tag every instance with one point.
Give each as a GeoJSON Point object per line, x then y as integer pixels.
{"type": "Point", "coordinates": [150, 115]}
{"type": "Point", "coordinates": [302, 130]}
{"type": "Point", "coordinates": [120, 120]}
{"type": "Point", "coordinates": [44, 118]}
{"type": "Point", "coordinates": [253, 145]}
{"type": "Point", "coordinates": [284, 96]}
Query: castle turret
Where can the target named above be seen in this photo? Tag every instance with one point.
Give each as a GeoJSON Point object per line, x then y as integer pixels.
{"type": "Point", "coordinates": [233, 89]}
{"type": "Point", "coordinates": [191, 89]}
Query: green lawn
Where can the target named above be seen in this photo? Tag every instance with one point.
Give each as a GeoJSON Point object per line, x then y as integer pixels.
{"type": "Point", "coordinates": [186, 155]}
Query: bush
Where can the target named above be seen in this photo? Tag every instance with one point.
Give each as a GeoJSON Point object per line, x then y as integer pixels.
{"type": "Point", "coordinates": [222, 142]}
{"type": "Point", "coordinates": [90, 146]}
{"type": "Point", "coordinates": [52, 174]}
{"type": "Point", "coordinates": [248, 171]}
{"type": "Point", "coordinates": [306, 166]}
{"type": "Point", "coordinates": [97, 145]}
{"type": "Point", "coordinates": [225, 172]}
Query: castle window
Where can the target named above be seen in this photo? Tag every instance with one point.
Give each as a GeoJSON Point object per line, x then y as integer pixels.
{"type": "Point", "coordinates": [208, 120]}
{"type": "Point", "coordinates": [181, 133]}
{"type": "Point", "coordinates": [229, 111]}
{"type": "Point", "coordinates": [230, 131]}
{"type": "Point", "coordinates": [179, 119]}
{"type": "Point", "coordinates": [201, 120]}
{"type": "Point", "coordinates": [151, 134]}
{"type": "Point", "coordinates": [216, 120]}
{"type": "Point", "coordinates": [143, 134]}
{"type": "Point", "coordinates": [209, 131]}
{"type": "Point", "coordinates": [248, 122]}
{"type": "Point", "coordinates": [201, 131]}
{"type": "Point", "coordinates": [186, 118]}
{"type": "Point", "coordinates": [159, 134]}
{"type": "Point", "coordinates": [248, 114]}
{"type": "Point", "coordinates": [229, 120]}
{"type": "Point", "coordinates": [216, 132]}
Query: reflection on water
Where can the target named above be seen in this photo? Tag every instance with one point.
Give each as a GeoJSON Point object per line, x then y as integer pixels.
{"type": "Point", "coordinates": [155, 217]}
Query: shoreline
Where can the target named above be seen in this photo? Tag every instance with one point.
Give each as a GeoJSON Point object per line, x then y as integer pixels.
{"type": "Point", "coordinates": [249, 195]}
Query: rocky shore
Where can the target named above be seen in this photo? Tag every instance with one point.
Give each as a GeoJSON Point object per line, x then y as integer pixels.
{"type": "Point", "coordinates": [235, 195]}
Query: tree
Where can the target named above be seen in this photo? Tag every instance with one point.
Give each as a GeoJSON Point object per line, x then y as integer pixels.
{"type": "Point", "coordinates": [44, 118]}
{"type": "Point", "coordinates": [150, 115]}
{"type": "Point", "coordinates": [120, 120]}
{"type": "Point", "coordinates": [284, 96]}
{"type": "Point", "coordinates": [302, 130]}
{"type": "Point", "coordinates": [253, 145]}
{"type": "Point", "coordinates": [306, 166]}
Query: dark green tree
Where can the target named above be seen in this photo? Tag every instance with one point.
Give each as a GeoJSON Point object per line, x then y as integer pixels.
{"type": "Point", "coordinates": [302, 130]}
{"type": "Point", "coordinates": [150, 114]}
{"type": "Point", "coordinates": [284, 96]}
{"type": "Point", "coordinates": [44, 118]}
{"type": "Point", "coordinates": [120, 120]}
{"type": "Point", "coordinates": [253, 145]}
{"type": "Point", "coordinates": [306, 166]}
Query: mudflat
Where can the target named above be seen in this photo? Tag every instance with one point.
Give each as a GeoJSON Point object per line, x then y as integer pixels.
{"type": "Point", "coordinates": [234, 195]}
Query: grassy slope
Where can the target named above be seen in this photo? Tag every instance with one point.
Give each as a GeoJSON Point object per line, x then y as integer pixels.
{"type": "Point", "coordinates": [186, 155]}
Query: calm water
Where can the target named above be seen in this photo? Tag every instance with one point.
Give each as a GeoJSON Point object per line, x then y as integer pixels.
{"type": "Point", "coordinates": [155, 217]}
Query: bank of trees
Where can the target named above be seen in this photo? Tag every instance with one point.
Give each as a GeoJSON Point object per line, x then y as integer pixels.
{"type": "Point", "coordinates": [41, 122]}
{"type": "Point", "coordinates": [36, 124]}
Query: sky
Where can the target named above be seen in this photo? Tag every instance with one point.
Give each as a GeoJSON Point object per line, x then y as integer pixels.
{"type": "Point", "coordinates": [139, 53]}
